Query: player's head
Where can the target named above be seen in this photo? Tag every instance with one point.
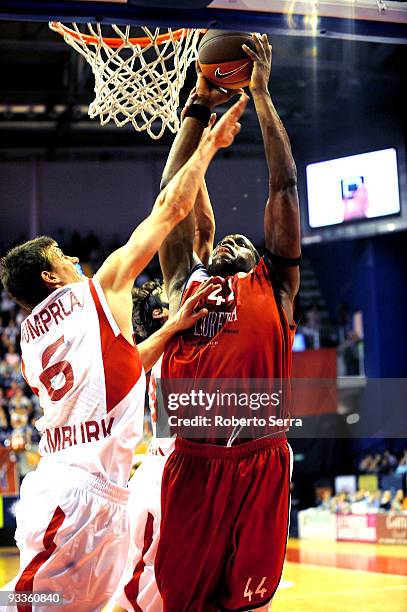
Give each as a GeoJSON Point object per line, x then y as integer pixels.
{"type": "Point", "coordinates": [150, 308]}
{"type": "Point", "coordinates": [34, 269]}
{"type": "Point", "coordinates": [234, 253]}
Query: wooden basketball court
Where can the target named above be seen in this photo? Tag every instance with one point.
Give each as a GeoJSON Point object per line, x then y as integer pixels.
{"type": "Point", "coordinates": [320, 576]}
{"type": "Point", "coordinates": [343, 577]}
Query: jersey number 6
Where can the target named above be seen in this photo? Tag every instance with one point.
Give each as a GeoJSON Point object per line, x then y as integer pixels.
{"type": "Point", "coordinates": [49, 373]}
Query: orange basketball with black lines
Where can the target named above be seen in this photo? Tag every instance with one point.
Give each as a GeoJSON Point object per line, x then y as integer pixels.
{"type": "Point", "coordinates": [222, 59]}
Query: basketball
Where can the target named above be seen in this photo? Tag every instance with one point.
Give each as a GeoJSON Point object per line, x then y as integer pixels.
{"type": "Point", "coordinates": [222, 59]}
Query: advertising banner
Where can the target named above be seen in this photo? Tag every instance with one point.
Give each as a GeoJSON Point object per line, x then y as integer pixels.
{"type": "Point", "coordinates": [391, 528]}
{"type": "Point", "coordinates": [356, 527]}
{"type": "Point", "coordinates": [315, 524]}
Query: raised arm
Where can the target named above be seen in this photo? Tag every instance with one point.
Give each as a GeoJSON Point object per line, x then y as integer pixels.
{"type": "Point", "coordinates": [173, 205]}
{"type": "Point", "coordinates": [196, 232]}
{"type": "Point", "coordinates": [203, 211]}
{"type": "Point", "coordinates": [282, 216]}
{"type": "Point", "coordinates": [153, 347]}
{"type": "Point", "coordinates": [176, 252]}
{"type": "Point", "coordinates": [204, 225]}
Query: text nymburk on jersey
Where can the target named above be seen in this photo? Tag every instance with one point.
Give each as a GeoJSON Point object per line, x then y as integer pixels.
{"type": "Point", "coordinates": [66, 436]}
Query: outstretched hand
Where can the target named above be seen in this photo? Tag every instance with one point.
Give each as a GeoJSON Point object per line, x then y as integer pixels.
{"type": "Point", "coordinates": [208, 94]}
{"type": "Point", "coordinates": [223, 133]}
{"type": "Point", "coordinates": [262, 58]}
{"type": "Point", "coordinates": [193, 309]}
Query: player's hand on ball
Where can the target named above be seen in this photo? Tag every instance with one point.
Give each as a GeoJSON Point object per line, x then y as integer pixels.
{"type": "Point", "coordinates": [208, 94]}
{"type": "Point", "coordinates": [193, 309]}
{"type": "Point", "coordinates": [223, 133]}
{"type": "Point", "coordinates": [262, 62]}
{"type": "Point", "coordinates": [193, 98]}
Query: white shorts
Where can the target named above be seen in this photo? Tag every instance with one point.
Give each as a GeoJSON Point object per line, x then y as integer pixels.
{"type": "Point", "coordinates": [138, 587]}
{"type": "Point", "coordinates": [72, 532]}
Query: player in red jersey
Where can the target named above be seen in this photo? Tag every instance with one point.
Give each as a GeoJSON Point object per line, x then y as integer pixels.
{"type": "Point", "coordinates": [138, 589]}
{"type": "Point", "coordinates": [79, 356]}
{"type": "Point", "coordinates": [225, 509]}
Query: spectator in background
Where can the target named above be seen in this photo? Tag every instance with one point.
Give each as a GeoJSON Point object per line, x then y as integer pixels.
{"type": "Point", "coordinates": [36, 408]}
{"type": "Point", "coordinates": [380, 464]}
{"type": "Point", "coordinates": [385, 502]}
{"type": "Point", "coordinates": [344, 321]}
{"type": "Point", "coordinates": [19, 401]}
{"type": "Point", "coordinates": [360, 503]}
{"type": "Point", "coordinates": [313, 317]}
{"type": "Point", "coordinates": [12, 331]}
{"type": "Point", "coordinates": [398, 501]}
{"type": "Point", "coordinates": [6, 303]}
{"type": "Point", "coordinates": [402, 466]}
{"type": "Point", "coordinates": [4, 344]}
{"type": "Point", "coordinates": [341, 503]}
{"type": "Point", "coordinates": [20, 434]}
{"type": "Point", "coordinates": [375, 464]}
{"type": "Point", "coordinates": [12, 358]}
{"type": "Point", "coordinates": [326, 501]}
{"type": "Point", "coordinates": [388, 463]}
{"type": "Point", "coordinates": [15, 374]}
{"type": "Point", "coordinates": [374, 500]}
{"type": "Point", "coordinates": [403, 460]}
{"type": "Point", "coordinates": [365, 464]}
{"type": "Point", "coordinates": [4, 425]}
{"type": "Point", "coordinates": [3, 401]}
{"type": "Point", "coordinates": [11, 391]}
{"type": "Point", "coordinates": [3, 374]}
{"type": "Point", "coordinates": [311, 326]}
{"type": "Point", "coordinates": [350, 350]}
{"type": "Point", "coordinates": [20, 316]}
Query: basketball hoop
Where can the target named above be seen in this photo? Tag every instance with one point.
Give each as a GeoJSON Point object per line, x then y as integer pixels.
{"type": "Point", "coordinates": [137, 80]}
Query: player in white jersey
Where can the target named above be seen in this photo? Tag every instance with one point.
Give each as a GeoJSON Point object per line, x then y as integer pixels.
{"type": "Point", "coordinates": [138, 588]}
{"type": "Point", "coordinates": [79, 355]}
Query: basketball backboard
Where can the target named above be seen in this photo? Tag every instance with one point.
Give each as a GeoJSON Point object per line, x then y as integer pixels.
{"type": "Point", "coordinates": [374, 20]}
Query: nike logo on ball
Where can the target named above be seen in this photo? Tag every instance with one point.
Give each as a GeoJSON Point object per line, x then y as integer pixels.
{"type": "Point", "coordinates": [223, 75]}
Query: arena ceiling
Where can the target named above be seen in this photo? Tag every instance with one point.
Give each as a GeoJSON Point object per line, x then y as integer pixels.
{"type": "Point", "coordinates": [317, 84]}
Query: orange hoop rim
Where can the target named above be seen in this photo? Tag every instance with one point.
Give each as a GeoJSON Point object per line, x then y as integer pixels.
{"type": "Point", "coordinates": [115, 42]}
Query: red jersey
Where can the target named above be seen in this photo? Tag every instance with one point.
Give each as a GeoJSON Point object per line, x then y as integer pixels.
{"type": "Point", "coordinates": [245, 335]}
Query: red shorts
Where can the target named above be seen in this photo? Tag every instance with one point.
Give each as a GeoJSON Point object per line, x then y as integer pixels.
{"type": "Point", "coordinates": [224, 525]}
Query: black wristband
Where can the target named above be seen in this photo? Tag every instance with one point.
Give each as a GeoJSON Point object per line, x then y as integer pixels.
{"type": "Point", "coordinates": [288, 262]}
{"type": "Point", "coordinates": [200, 112]}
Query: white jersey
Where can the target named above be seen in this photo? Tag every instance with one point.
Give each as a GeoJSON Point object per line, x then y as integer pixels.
{"type": "Point", "coordinates": [157, 446]}
{"type": "Point", "coordinates": [138, 589]}
{"type": "Point", "coordinates": [89, 379]}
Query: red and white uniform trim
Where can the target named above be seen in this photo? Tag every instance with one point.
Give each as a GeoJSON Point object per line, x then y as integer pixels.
{"type": "Point", "coordinates": [89, 379]}
{"type": "Point", "coordinates": [72, 519]}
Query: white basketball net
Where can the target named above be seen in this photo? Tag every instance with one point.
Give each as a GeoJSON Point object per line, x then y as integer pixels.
{"type": "Point", "coordinates": [135, 84]}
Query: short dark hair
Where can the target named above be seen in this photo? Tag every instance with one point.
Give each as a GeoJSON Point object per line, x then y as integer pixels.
{"type": "Point", "coordinates": [146, 299]}
{"type": "Point", "coordinates": [21, 269]}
